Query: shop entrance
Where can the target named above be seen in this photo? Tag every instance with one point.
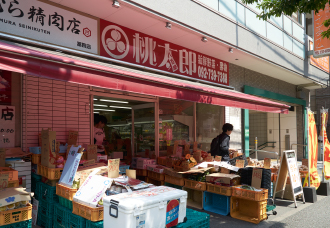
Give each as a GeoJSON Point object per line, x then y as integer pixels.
{"type": "Point", "coordinates": [129, 128]}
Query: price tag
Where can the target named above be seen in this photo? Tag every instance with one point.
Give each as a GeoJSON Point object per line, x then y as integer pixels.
{"type": "Point", "coordinates": [256, 178]}
{"type": "Point", "coordinates": [218, 158]}
{"type": "Point", "coordinates": [3, 181]}
{"type": "Point", "coordinates": [240, 163]}
{"type": "Point", "coordinates": [209, 159]}
{"type": "Point", "coordinates": [235, 154]}
{"type": "Point", "coordinates": [267, 162]}
{"type": "Point", "coordinates": [113, 168]}
{"type": "Point", "coordinates": [92, 152]}
{"type": "Point", "coordinates": [305, 162]}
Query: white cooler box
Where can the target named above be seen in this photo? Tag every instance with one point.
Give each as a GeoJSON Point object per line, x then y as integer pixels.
{"type": "Point", "coordinates": [149, 208]}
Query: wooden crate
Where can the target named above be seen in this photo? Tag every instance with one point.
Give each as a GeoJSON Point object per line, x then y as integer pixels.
{"type": "Point", "coordinates": [174, 180]}
{"type": "Point", "coordinates": [141, 172]}
{"type": "Point", "coordinates": [195, 184]}
{"type": "Point", "coordinates": [156, 176]}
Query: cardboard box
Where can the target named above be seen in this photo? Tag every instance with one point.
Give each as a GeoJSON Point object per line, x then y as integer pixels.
{"type": "Point", "coordinates": [48, 148]}
{"type": "Point", "coordinates": [119, 155]}
{"type": "Point", "coordinates": [171, 172]}
{"type": "Point", "coordinates": [156, 168]}
{"type": "Point", "coordinates": [223, 179]}
{"type": "Point", "coordinates": [13, 195]}
{"type": "Point", "coordinates": [143, 162]}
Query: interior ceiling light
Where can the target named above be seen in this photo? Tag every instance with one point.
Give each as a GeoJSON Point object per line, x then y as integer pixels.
{"type": "Point", "coordinates": [204, 39]}
{"type": "Point", "coordinates": [115, 4]}
{"type": "Point", "coordinates": [95, 99]}
{"type": "Point", "coordinates": [120, 107]}
{"type": "Point", "coordinates": [100, 105]}
{"type": "Point", "coordinates": [168, 25]}
{"type": "Point", "coordinates": [104, 110]}
{"type": "Point", "coordinates": [122, 102]}
{"type": "Point", "coordinates": [231, 50]}
{"type": "Point", "coordinates": [97, 112]}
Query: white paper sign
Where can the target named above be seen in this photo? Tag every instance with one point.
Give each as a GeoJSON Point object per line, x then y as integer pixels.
{"type": "Point", "coordinates": [7, 126]}
{"type": "Point", "coordinates": [35, 207]}
{"type": "Point", "coordinates": [92, 190]}
{"type": "Point", "coordinates": [44, 22]}
{"type": "Point", "coordinates": [293, 170]}
{"type": "Point", "coordinates": [70, 167]}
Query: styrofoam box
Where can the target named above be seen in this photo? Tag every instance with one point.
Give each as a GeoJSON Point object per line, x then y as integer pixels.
{"type": "Point", "coordinates": [148, 208]}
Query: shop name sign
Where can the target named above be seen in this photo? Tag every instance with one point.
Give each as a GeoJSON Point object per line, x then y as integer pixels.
{"type": "Point", "coordinates": [44, 22]}
{"type": "Point", "coordinates": [131, 46]}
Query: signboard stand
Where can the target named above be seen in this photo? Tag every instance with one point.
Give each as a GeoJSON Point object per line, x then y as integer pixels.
{"type": "Point", "coordinates": [289, 166]}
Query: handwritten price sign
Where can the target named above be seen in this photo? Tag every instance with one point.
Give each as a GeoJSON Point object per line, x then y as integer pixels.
{"type": "Point", "coordinates": [113, 168]}
{"type": "Point", "coordinates": [218, 158]}
{"type": "Point", "coordinates": [256, 178]}
{"type": "Point", "coordinates": [92, 152]}
{"type": "Point", "coordinates": [3, 181]}
{"type": "Point", "coordinates": [73, 136]}
{"type": "Point", "coordinates": [240, 163]}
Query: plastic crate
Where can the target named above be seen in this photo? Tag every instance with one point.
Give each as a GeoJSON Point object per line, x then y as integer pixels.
{"type": "Point", "coordinates": [61, 215]}
{"type": "Point", "coordinates": [195, 219]}
{"type": "Point", "coordinates": [218, 189]}
{"type": "Point", "coordinates": [195, 184]}
{"type": "Point", "coordinates": [35, 150]}
{"type": "Point", "coordinates": [13, 184]}
{"type": "Point", "coordinates": [122, 169]}
{"type": "Point", "coordinates": [49, 173]}
{"type": "Point", "coordinates": [24, 224]}
{"type": "Point", "coordinates": [156, 176]}
{"type": "Point", "coordinates": [16, 215]}
{"type": "Point", "coordinates": [90, 224]}
{"type": "Point", "coordinates": [65, 192]}
{"type": "Point", "coordinates": [195, 198]}
{"type": "Point", "coordinates": [155, 182]}
{"type": "Point", "coordinates": [36, 158]}
{"type": "Point", "coordinates": [44, 221]}
{"type": "Point", "coordinates": [173, 186]}
{"type": "Point", "coordinates": [36, 177]}
{"type": "Point", "coordinates": [248, 210]}
{"type": "Point", "coordinates": [174, 180]}
{"type": "Point", "coordinates": [216, 203]}
{"type": "Point", "coordinates": [90, 213]}
{"type": "Point", "coordinates": [12, 173]}
{"type": "Point", "coordinates": [76, 221]}
{"type": "Point", "coordinates": [249, 194]}
{"type": "Point", "coordinates": [58, 225]}
{"type": "Point", "coordinates": [141, 172]}
{"type": "Point", "coordinates": [46, 208]}
{"type": "Point", "coordinates": [65, 202]}
{"type": "Point", "coordinates": [47, 192]}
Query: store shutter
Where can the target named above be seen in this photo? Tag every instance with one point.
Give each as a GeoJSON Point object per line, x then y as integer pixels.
{"type": "Point", "coordinates": [62, 106]}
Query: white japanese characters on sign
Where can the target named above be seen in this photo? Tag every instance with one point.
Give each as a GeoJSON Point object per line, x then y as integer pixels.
{"type": "Point", "coordinates": [7, 126]}
{"type": "Point", "coordinates": [44, 22]}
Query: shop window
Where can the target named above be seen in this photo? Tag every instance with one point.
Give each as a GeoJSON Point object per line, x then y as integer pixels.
{"type": "Point", "coordinates": [176, 123]}
{"type": "Point", "coordinates": [209, 121]}
{"type": "Point", "coordinates": [10, 105]}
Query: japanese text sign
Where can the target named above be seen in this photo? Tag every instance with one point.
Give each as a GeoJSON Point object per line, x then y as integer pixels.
{"type": "Point", "coordinates": [267, 162]}
{"type": "Point", "coordinates": [92, 152]}
{"type": "Point", "coordinates": [5, 87]}
{"type": "Point", "coordinates": [113, 168]}
{"type": "Point", "coordinates": [256, 178]}
{"type": "Point", "coordinates": [3, 181]}
{"type": "Point", "coordinates": [45, 22]}
{"type": "Point", "coordinates": [7, 126]}
{"type": "Point", "coordinates": [73, 137]}
{"type": "Point", "coordinates": [240, 163]}
{"type": "Point", "coordinates": [71, 166]}
{"type": "Point", "coordinates": [135, 47]}
{"type": "Point", "coordinates": [322, 63]}
{"type": "Point", "coordinates": [35, 207]}
{"type": "Point", "coordinates": [293, 170]}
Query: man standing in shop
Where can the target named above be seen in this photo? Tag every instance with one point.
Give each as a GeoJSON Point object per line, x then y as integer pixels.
{"type": "Point", "coordinates": [99, 136]}
{"type": "Point", "coordinates": [220, 144]}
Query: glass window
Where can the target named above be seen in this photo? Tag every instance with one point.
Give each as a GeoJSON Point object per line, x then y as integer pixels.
{"type": "Point", "coordinates": [298, 32]}
{"type": "Point", "coordinates": [240, 14]}
{"type": "Point", "coordinates": [287, 25]}
{"type": "Point", "coordinates": [298, 48]}
{"type": "Point", "coordinates": [277, 21]}
{"type": "Point", "coordinates": [209, 121]}
{"type": "Point", "coordinates": [211, 3]}
{"type": "Point", "coordinates": [274, 34]}
{"type": "Point", "coordinates": [254, 6]}
{"type": "Point", "coordinates": [253, 23]}
{"type": "Point", "coordinates": [176, 123]}
{"type": "Point", "coordinates": [288, 42]}
{"type": "Point", "coordinates": [228, 8]}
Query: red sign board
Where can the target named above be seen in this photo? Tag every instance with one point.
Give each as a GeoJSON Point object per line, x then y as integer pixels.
{"type": "Point", "coordinates": [321, 45]}
{"type": "Point", "coordinates": [5, 87]}
{"type": "Point", "coordinates": [131, 46]}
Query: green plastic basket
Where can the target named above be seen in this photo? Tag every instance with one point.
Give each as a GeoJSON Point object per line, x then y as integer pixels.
{"type": "Point", "coordinates": [47, 192]}
{"type": "Point", "coordinates": [195, 219]}
{"type": "Point", "coordinates": [61, 215]}
{"type": "Point", "coordinates": [46, 208]}
{"type": "Point", "coordinates": [24, 224]}
{"type": "Point", "coordinates": [65, 202]}
{"type": "Point", "coordinates": [90, 224]}
{"type": "Point", "coordinates": [44, 221]}
{"type": "Point", "coordinates": [75, 221]}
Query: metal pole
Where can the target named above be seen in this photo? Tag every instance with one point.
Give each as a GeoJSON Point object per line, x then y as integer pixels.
{"type": "Point", "coordinates": [279, 134]}
{"type": "Point", "coordinates": [256, 147]}
{"type": "Point", "coordinates": [309, 181]}
{"type": "Point", "coordinates": [323, 129]}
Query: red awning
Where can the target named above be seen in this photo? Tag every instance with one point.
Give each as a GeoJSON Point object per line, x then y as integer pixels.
{"type": "Point", "coordinates": [49, 64]}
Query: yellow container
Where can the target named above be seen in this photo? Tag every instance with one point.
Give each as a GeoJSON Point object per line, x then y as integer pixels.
{"type": "Point", "coordinates": [16, 215]}
{"type": "Point", "coordinates": [65, 192]}
{"type": "Point", "coordinates": [221, 190]}
{"type": "Point", "coordinates": [93, 214]}
{"type": "Point", "coordinates": [36, 158]}
{"type": "Point", "coordinates": [248, 210]}
{"type": "Point", "coordinates": [239, 192]}
{"type": "Point", "coordinates": [195, 184]}
{"type": "Point", "coordinates": [13, 184]}
{"type": "Point", "coordinates": [12, 173]}
{"type": "Point", "coordinates": [50, 173]}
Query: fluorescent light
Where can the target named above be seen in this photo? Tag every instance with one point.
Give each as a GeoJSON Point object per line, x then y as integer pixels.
{"type": "Point", "coordinates": [120, 107]}
{"type": "Point", "coordinates": [123, 102]}
{"type": "Point", "coordinates": [104, 110]}
{"type": "Point", "coordinates": [100, 105]}
{"type": "Point", "coordinates": [95, 99]}
{"type": "Point", "coordinates": [97, 112]}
